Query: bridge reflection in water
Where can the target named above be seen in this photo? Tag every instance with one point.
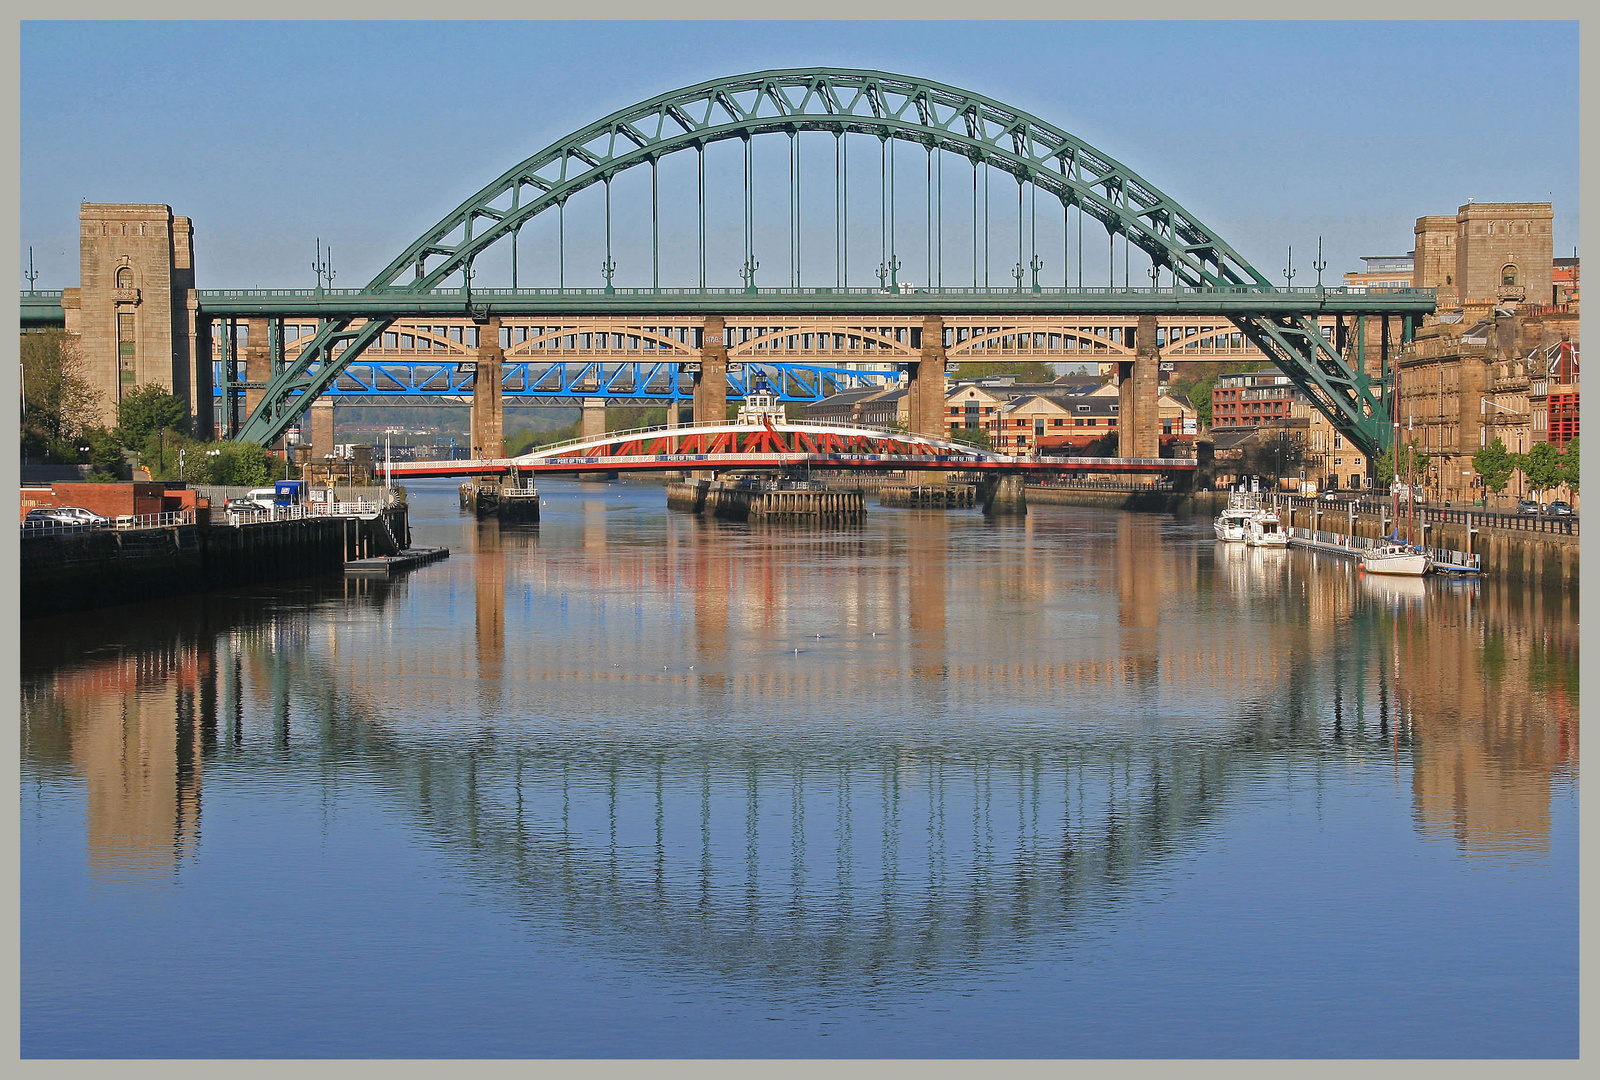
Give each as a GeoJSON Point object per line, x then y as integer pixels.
{"type": "Point", "coordinates": [789, 755]}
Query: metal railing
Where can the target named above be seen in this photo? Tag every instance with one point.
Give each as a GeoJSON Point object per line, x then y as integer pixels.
{"type": "Point", "coordinates": [1107, 485]}
{"type": "Point", "coordinates": [1323, 540]}
{"type": "Point", "coordinates": [1430, 515]}
{"type": "Point", "coordinates": [121, 523]}
{"type": "Point", "coordinates": [154, 521]}
{"type": "Point", "coordinates": [903, 289]}
{"type": "Point", "coordinates": [361, 508]}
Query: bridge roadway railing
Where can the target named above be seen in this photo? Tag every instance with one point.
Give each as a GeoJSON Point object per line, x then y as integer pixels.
{"type": "Point", "coordinates": [1234, 299]}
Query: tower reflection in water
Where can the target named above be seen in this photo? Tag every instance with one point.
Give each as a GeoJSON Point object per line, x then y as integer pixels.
{"type": "Point", "coordinates": [826, 754]}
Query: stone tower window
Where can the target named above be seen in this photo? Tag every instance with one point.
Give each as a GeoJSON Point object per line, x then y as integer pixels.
{"type": "Point", "coordinates": [125, 277]}
{"type": "Point", "coordinates": [125, 348]}
{"type": "Point", "coordinates": [1508, 274]}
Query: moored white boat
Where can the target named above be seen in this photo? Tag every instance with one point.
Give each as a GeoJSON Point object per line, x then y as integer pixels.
{"type": "Point", "coordinates": [1265, 530]}
{"type": "Point", "coordinates": [1233, 524]}
{"type": "Point", "coordinates": [1402, 559]}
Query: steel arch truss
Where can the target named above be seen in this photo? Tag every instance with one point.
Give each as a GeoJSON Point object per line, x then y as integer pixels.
{"type": "Point", "coordinates": [929, 114]}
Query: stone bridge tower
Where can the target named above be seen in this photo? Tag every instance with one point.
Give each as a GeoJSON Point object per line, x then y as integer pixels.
{"type": "Point", "coordinates": [135, 309]}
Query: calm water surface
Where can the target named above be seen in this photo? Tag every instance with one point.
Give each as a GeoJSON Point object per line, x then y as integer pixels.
{"type": "Point", "coordinates": [633, 784]}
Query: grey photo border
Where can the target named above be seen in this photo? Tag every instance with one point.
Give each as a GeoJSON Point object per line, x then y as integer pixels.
{"type": "Point", "coordinates": [10, 631]}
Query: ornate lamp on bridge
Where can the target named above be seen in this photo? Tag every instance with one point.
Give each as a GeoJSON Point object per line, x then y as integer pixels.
{"type": "Point", "coordinates": [324, 267]}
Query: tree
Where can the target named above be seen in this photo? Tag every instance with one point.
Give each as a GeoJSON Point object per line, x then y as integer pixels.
{"type": "Point", "coordinates": [58, 401]}
{"type": "Point", "coordinates": [1199, 395]}
{"type": "Point", "coordinates": [237, 464]}
{"type": "Point", "coordinates": [1542, 466]}
{"type": "Point", "coordinates": [105, 456]}
{"type": "Point", "coordinates": [147, 410]}
{"type": "Point", "coordinates": [1494, 465]}
{"type": "Point", "coordinates": [972, 436]}
{"type": "Point", "coordinates": [1569, 465]}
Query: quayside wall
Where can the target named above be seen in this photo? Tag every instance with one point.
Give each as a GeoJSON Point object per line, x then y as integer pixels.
{"type": "Point", "coordinates": [99, 568]}
{"type": "Point", "coordinates": [1546, 560]}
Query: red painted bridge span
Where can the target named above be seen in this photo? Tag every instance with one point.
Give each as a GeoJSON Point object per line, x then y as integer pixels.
{"type": "Point", "coordinates": [733, 446]}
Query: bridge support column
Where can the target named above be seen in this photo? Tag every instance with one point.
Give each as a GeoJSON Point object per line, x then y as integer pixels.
{"type": "Point", "coordinates": [488, 417]}
{"type": "Point", "coordinates": [1139, 396]}
{"type": "Point", "coordinates": [258, 365]}
{"type": "Point", "coordinates": [319, 419]}
{"type": "Point", "coordinates": [593, 425]}
{"type": "Point", "coordinates": [925, 390]}
{"type": "Point", "coordinates": [711, 385]}
{"type": "Point", "coordinates": [1005, 495]}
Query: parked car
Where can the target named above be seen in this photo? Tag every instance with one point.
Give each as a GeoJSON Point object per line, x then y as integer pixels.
{"type": "Point", "coordinates": [1334, 495]}
{"type": "Point", "coordinates": [1528, 506]}
{"type": "Point", "coordinates": [69, 515]}
{"type": "Point", "coordinates": [1559, 508]}
{"type": "Point", "coordinates": [242, 503]}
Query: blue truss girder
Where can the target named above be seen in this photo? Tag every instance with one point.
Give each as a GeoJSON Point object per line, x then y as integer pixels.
{"type": "Point", "coordinates": [634, 380]}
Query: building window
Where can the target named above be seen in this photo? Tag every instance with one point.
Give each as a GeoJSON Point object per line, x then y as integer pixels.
{"type": "Point", "coordinates": [1508, 274]}
{"type": "Point", "coordinates": [125, 347]}
{"type": "Point", "coordinates": [124, 277]}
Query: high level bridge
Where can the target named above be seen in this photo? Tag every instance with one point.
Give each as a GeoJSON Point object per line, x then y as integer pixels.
{"type": "Point", "coordinates": [1152, 282]}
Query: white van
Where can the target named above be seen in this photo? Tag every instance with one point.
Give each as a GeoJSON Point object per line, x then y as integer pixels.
{"type": "Point", "coordinates": [262, 497]}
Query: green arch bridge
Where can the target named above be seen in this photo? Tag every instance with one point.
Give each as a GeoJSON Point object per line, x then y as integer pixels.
{"type": "Point", "coordinates": [1190, 269]}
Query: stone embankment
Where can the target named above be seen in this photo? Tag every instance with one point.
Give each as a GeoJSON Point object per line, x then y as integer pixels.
{"type": "Point", "coordinates": [99, 568]}
{"type": "Point", "coordinates": [1546, 560]}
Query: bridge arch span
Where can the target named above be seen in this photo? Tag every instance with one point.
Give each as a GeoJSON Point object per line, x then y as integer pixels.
{"type": "Point", "coordinates": [936, 116]}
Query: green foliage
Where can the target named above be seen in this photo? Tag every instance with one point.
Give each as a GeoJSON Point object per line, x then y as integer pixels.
{"type": "Point", "coordinates": [1412, 462]}
{"type": "Point", "coordinates": [972, 436]}
{"type": "Point", "coordinates": [1199, 395]}
{"type": "Point", "coordinates": [1542, 466]}
{"type": "Point", "coordinates": [147, 410]}
{"type": "Point", "coordinates": [238, 464]}
{"type": "Point", "coordinates": [618, 418]}
{"type": "Point", "coordinates": [1026, 371]}
{"type": "Point", "coordinates": [1569, 465]}
{"type": "Point", "coordinates": [105, 456]}
{"type": "Point", "coordinates": [1196, 380]}
{"type": "Point", "coordinates": [1494, 465]}
{"type": "Point", "coordinates": [162, 450]}
{"type": "Point", "coordinates": [58, 401]}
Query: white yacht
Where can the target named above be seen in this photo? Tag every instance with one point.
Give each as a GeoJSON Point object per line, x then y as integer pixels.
{"type": "Point", "coordinates": [1266, 530]}
{"type": "Point", "coordinates": [1402, 559]}
{"type": "Point", "coordinates": [1233, 524]}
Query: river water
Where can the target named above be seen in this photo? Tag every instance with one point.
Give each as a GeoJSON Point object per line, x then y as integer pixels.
{"type": "Point", "coordinates": [631, 784]}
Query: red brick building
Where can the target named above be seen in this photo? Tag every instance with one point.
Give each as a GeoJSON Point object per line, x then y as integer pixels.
{"type": "Point", "coordinates": [1250, 399]}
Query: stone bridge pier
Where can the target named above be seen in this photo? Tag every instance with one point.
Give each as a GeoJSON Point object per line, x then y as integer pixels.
{"type": "Point", "coordinates": [1139, 396]}
{"type": "Point", "coordinates": [711, 383]}
{"type": "Point", "coordinates": [925, 393]}
{"type": "Point", "coordinates": [488, 413]}
{"type": "Point", "coordinates": [1005, 495]}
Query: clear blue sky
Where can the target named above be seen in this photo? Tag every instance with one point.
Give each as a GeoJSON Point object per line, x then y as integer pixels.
{"type": "Point", "coordinates": [272, 134]}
